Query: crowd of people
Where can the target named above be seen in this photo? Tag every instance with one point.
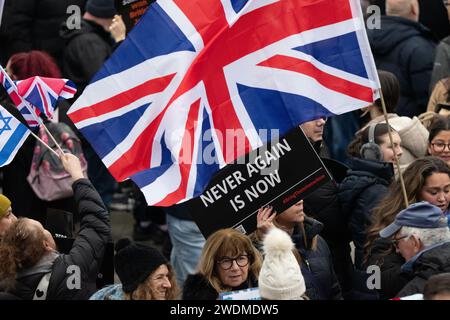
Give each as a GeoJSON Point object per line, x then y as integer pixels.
{"type": "Point", "coordinates": [320, 248]}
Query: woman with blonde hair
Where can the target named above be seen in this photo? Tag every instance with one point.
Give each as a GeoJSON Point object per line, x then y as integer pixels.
{"type": "Point", "coordinates": [426, 179]}
{"type": "Point", "coordinates": [228, 262]}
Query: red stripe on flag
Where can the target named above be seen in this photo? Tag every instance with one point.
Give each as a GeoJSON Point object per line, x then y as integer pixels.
{"type": "Point", "coordinates": [47, 111]}
{"type": "Point", "coordinates": [122, 99]}
{"type": "Point", "coordinates": [138, 157]}
{"type": "Point", "coordinates": [334, 83]}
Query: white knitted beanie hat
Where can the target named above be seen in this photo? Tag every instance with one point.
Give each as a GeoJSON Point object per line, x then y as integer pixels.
{"type": "Point", "coordinates": [280, 277]}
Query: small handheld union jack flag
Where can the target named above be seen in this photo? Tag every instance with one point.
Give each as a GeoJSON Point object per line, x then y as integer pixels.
{"type": "Point", "coordinates": [43, 93]}
{"type": "Point", "coordinates": [29, 113]}
{"type": "Point", "coordinates": [37, 95]}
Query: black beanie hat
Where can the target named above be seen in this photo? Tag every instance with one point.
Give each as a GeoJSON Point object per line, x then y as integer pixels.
{"type": "Point", "coordinates": [101, 8]}
{"type": "Point", "coordinates": [135, 262]}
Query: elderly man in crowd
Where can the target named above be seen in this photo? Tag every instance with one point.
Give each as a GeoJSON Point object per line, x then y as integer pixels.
{"type": "Point", "coordinates": [421, 235]}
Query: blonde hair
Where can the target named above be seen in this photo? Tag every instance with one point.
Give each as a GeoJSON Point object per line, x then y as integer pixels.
{"type": "Point", "coordinates": [227, 242]}
{"type": "Point", "coordinates": [144, 291]}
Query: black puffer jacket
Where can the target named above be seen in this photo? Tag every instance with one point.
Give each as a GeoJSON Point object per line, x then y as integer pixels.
{"type": "Point", "coordinates": [366, 183]}
{"type": "Point", "coordinates": [317, 265]}
{"type": "Point", "coordinates": [86, 50]}
{"type": "Point", "coordinates": [323, 205]}
{"type": "Point", "coordinates": [35, 24]}
{"type": "Point", "coordinates": [405, 48]}
{"type": "Point", "coordinates": [86, 253]}
{"type": "Point", "coordinates": [390, 263]}
{"type": "Point", "coordinates": [429, 263]}
{"type": "Point", "coordinates": [197, 287]}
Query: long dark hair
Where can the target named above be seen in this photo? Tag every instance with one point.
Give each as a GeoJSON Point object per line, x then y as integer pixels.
{"type": "Point", "coordinates": [391, 91]}
{"type": "Point", "coordinates": [415, 177]}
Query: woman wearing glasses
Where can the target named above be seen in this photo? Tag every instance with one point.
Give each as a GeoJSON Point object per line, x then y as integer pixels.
{"type": "Point", "coordinates": [439, 138]}
{"type": "Point", "coordinates": [426, 179]}
{"type": "Point", "coordinates": [229, 262]}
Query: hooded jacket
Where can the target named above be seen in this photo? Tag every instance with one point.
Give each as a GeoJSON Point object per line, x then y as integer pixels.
{"type": "Point", "coordinates": [86, 50]}
{"type": "Point", "coordinates": [34, 25]}
{"type": "Point", "coordinates": [405, 48]}
{"type": "Point", "coordinates": [317, 264]}
{"type": "Point", "coordinates": [366, 183]}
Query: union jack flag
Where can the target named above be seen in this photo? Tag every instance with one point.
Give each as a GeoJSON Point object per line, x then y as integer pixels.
{"type": "Point", "coordinates": [43, 93]}
{"type": "Point", "coordinates": [190, 71]}
{"type": "Point", "coordinates": [29, 113]}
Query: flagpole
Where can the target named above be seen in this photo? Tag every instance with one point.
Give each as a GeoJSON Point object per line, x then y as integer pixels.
{"type": "Point", "coordinates": [27, 104]}
{"type": "Point", "coordinates": [402, 182]}
{"type": "Point", "coordinates": [48, 147]}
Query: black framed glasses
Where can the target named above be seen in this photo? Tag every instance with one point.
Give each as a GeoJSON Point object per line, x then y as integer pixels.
{"type": "Point", "coordinates": [440, 146]}
{"type": "Point", "coordinates": [397, 240]}
{"type": "Point", "coordinates": [226, 263]}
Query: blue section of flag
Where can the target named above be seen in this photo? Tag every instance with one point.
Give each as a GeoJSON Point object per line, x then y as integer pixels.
{"type": "Point", "coordinates": [238, 4]}
{"type": "Point", "coordinates": [341, 52]}
{"type": "Point", "coordinates": [13, 143]}
{"type": "Point", "coordinates": [155, 35]}
{"type": "Point", "coordinates": [207, 162]}
{"type": "Point", "coordinates": [271, 109]}
{"type": "Point", "coordinates": [110, 133]}
{"type": "Point", "coordinates": [146, 177]}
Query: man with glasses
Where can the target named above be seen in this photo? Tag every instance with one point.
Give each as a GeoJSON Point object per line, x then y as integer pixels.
{"type": "Point", "coordinates": [421, 235]}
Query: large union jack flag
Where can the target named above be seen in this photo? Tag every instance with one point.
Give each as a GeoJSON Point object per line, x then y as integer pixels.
{"type": "Point", "coordinates": [190, 71]}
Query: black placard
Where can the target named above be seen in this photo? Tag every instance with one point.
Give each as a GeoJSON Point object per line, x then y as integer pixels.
{"type": "Point", "coordinates": [131, 11]}
{"type": "Point", "coordinates": [236, 192]}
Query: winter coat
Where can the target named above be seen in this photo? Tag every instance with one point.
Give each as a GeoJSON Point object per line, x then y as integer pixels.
{"type": "Point", "coordinates": [405, 48]}
{"type": "Point", "coordinates": [197, 287]}
{"type": "Point", "coordinates": [86, 253]}
{"type": "Point", "coordinates": [323, 205]}
{"type": "Point", "coordinates": [86, 50]}
{"type": "Point", "coordinates": [34, 25]}
{"type": "Point", "coordinates": [392, 279]}
{"type": "Point", "coordinates": [366, 183]}
{"type": "Point", "coordinates": [317, 264]}
{"type": "Point", "coordinates": [431, 261]}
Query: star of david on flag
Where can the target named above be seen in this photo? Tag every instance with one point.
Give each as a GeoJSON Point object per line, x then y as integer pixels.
{"type": "Point", "coordinates": [12, 135]}
{"type": "Point", "coordinates": [191, 71]}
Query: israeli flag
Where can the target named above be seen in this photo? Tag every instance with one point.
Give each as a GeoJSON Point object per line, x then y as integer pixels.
{"type": "Point", "coordinates": [12, 135]}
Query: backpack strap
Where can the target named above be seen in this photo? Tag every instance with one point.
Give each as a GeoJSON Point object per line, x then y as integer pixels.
{"type": "Point", "coordinates": [41, 290]}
